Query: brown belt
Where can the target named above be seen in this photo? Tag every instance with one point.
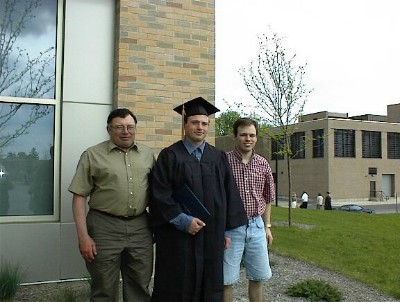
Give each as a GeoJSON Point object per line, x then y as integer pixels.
{"type": "Point", "coordinates": [116, 216]}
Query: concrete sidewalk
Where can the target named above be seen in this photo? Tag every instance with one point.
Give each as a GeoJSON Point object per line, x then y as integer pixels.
{"type": "Point", "coordinates": [340, 202]}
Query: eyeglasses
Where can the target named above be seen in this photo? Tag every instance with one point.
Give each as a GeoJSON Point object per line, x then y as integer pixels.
{"type": "Point", "coordinates": [121, 128]}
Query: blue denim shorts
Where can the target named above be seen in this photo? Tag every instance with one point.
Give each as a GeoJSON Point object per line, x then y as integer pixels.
{"type": "Point", "coordinates": [249, 243]}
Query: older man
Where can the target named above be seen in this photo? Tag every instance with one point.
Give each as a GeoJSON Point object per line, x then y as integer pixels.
{"type": "Point", "coordinates": [114, 237]}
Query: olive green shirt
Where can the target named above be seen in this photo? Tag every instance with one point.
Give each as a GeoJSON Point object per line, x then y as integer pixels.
{"type": "Point", "coordinates": [117, 182]}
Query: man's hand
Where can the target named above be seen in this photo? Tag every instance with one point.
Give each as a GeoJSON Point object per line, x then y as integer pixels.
{"type": "Point", "coordinates": [269, 236]}
{"type": "Point", "coordinates": [196, 226]}
{"type": "Point", "coordinates": [87, 247]}
{"type": "Point", "coordinates": [227, 242]}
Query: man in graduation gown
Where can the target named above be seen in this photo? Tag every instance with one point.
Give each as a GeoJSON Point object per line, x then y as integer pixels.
{"type": "Point", "coordinates": [189, 251]}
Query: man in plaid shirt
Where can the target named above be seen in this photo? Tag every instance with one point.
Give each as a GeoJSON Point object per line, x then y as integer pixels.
{"type": "Point", "coordinates": [256, 185]}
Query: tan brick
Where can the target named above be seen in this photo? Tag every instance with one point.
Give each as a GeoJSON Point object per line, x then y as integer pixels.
{"type": "Point", "coordinates": [165, 56]}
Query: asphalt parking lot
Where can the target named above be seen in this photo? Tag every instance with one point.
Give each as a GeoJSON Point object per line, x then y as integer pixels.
{"type": "Point", "coordinates": [390, 206]}
{"type": "Point", "coordinates": [383, 208]}
{"type": "Point", "coordinates": [380, 207]}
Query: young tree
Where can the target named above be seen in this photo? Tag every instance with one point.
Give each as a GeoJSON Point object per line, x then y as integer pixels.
{"type": "Point", "coordinates": [277, 85]}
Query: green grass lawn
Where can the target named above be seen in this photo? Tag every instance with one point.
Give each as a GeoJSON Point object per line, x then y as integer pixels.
{"type": "Point", "coordinates": [361, 246]}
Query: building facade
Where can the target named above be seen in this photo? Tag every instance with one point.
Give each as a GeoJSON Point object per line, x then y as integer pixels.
{"type": "Point", "coordinates": [354, 158]}
{"type": "Point", "coordinates": [148, 56]}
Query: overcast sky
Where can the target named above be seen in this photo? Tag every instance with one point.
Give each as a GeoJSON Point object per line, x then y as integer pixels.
{"type": "Point", "coordinates": [351, 47]}
{"type": "Point", "coordinates": [38, 34]}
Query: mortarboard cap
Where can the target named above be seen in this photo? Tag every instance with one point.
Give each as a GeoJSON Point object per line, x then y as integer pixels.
{"type": "Point", "coordinates": [197, 106]}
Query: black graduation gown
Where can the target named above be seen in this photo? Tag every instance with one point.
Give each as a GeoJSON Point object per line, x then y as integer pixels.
{"type": "Point", "coordinates": [189, 268]}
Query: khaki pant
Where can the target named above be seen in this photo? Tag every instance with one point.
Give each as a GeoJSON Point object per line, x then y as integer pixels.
{"type": "Point", "coordinates": [124, 248]}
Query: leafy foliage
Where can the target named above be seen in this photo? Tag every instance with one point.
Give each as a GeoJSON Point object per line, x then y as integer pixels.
{"type": "Point", "coordinates": [10, 278]}
{"type": "Point", "coordinates": [224, 123]}
{"type": "Point", "coordinates": [315, 290]}
{"type": "Point", "coordinates": [277, 85]}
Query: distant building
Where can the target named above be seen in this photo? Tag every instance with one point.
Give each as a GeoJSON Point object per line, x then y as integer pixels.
{"type": "Point", "coordinates": [352, 157]}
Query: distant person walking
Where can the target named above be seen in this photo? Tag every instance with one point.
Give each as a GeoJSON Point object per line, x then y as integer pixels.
{"type": "Point", "coordinates": [304, 200]}
{"type": "Point", "coordinates": [294, 200]}
{"type": "Point", "coordinates": [328, 201]}
{"type": "Point", "coordinates": [320, 201]}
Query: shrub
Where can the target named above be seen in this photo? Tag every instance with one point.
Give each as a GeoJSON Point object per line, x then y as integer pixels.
{"type": "Point", "coordinates": [68, 295]}
{"type": "Point", "coordinates": [10, 278]}
{"type": "Point", "coordinates": [315, 290]}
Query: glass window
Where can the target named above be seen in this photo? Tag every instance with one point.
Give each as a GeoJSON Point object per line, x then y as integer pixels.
{"type": "Point", "coordinates": [26, 159]}
{"type": "Point", "coordinates": [28, 35]}
{"type": "Point", "coordinates": [393, 145]}
{"type": "Point", "coordinates": [297, 145]}
{"type": "Point", "coordinates": [318, 143]}
{"type": "Point", "coordinates": [345, 143]}
{"type": "Point", "coordinates": [276, 146]}
{"type": "Point", "coordinates": [371, 144]}
{"type": "Point", "coordinates": [27, 52]}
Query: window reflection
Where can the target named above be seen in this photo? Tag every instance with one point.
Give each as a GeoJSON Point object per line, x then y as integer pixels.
{"type": "Point", "coordinates": [26, 159]}
{"type": "Point", "coordinates": [27, 52]}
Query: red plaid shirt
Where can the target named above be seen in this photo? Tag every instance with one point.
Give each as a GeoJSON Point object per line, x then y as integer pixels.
{"type": "Point", "coordinates": [254, 180]}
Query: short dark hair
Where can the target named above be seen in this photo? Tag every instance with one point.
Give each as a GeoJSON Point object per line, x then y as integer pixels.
{"type": "Point", "coordinates": [120, 112]}
{"type": "Point", "coordinates": [244, 121]}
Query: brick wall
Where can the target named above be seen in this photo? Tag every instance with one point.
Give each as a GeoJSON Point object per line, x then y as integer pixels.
{"type": "Point", "coordinates": [165, 55]}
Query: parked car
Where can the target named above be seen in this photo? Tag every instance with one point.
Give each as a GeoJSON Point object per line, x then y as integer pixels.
{"type": "Point", "coordinates": [355, 208]}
